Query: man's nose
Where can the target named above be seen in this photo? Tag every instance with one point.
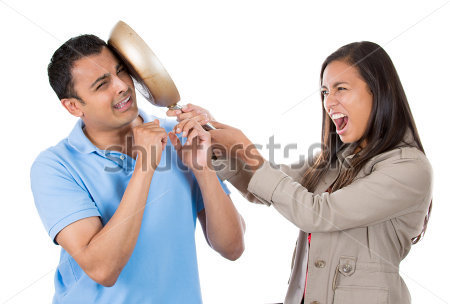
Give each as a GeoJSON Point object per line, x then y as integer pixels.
{"type": "Point", "coordinates": [119, 85]}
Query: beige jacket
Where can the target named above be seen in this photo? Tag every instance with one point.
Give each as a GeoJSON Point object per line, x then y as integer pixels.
{"type": "Point", "coordinates": [359, 234]}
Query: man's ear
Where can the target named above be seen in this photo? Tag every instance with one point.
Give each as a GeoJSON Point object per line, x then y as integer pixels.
{"type": "Point", "coordinates": [73, 106]}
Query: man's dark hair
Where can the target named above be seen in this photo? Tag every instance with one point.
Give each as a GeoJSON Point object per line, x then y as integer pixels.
{"type": "Point", "coordinates": [60, 66]}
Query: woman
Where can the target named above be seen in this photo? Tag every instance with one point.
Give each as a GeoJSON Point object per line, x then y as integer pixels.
{"type": "Point", "coordinates": [362, 200]}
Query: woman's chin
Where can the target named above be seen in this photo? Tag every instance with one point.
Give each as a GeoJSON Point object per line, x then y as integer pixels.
{"type": "Point", "coordinates": [347, 138]}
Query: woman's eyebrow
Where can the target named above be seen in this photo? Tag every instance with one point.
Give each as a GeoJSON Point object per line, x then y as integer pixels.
{"type": "Point", "coordinates": [334, 84]}
{"type": "Point", "coordinates": [339, 83]}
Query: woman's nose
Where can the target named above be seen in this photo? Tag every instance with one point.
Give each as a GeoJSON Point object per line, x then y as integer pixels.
{"type": "Point", "coordinates": [330, 101]}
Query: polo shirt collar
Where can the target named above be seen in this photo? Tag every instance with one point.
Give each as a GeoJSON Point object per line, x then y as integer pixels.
{"type": "Point", "coordinates": [79, 141]}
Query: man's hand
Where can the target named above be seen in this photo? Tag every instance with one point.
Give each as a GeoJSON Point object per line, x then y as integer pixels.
{"type": "Point", "coordinates": [190, 111]}
{"type": "Point", "coordinates": [150, 140]}
{"type": "Point", "coordinates": [196, 152]}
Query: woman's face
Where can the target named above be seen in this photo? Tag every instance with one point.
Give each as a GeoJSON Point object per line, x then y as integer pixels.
{"type": "Point", "coordinates": [347, 100]}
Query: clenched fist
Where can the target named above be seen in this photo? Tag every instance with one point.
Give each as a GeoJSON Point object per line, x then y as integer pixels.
{"type": "Point", "coordinates": [150, 139]}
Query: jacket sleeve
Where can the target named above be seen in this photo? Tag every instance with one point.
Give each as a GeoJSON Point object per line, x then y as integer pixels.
{"type": "Point", "coordinates": [234, 172]}
{"type": "Point", "coordinates": [394, 187]}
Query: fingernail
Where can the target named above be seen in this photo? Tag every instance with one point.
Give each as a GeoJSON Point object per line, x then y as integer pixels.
{"type": "Point", "coordinates": [178, 130]}
{"type": "Point", "coordinates": [184, 134]}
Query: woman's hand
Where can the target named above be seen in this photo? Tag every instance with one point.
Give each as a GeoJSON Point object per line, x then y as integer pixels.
{"type": "Point", "coordinates": [196, 152]}
{"type": "Point", "coordinates": [190, 111]}
{"type": "Point", "coordinates": [229, 142]}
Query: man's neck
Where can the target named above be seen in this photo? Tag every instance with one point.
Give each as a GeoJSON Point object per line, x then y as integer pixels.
{"type": "Point", "coordinates": [120, 139]}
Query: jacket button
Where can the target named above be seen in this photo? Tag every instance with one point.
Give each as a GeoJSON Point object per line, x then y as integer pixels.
{"type": "Point", "coordinates": [347, 268]}
{"type": "Point", "coordinates": [315, 302]}
{"type": "Point", "coordinates": [320, 264]}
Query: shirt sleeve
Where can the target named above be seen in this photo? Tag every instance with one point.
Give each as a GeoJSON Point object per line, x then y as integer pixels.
{"type": "Point", "coordinates": [59, 199]}
{"type": "Point", "coordinates": [394, 188]}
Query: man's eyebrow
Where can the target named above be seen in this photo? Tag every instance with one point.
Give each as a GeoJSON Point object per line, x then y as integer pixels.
{"type": "Point", "coordinates": [100, 79]}
{"type": "Point", "coordinates": [106, 75]}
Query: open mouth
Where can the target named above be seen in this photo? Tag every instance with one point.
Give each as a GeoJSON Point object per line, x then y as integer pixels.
{"type": "Point", "coordinates": [340, 120]}
{"type": "Point", "coordinates": [123, 105]}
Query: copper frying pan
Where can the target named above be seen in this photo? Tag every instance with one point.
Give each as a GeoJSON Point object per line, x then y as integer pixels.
{"type": "Point", "coordinates": [149, 75]}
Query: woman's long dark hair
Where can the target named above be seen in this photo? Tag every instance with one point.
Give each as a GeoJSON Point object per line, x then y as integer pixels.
{"type": "Point", "coordinates": [388, 122]}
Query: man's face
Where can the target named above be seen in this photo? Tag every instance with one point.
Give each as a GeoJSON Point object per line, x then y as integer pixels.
{"type": "Point", "coordinates": [107, 90]}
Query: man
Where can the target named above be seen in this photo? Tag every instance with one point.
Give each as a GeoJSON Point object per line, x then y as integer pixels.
{"type": "Point", "coordinates": [115, 195]}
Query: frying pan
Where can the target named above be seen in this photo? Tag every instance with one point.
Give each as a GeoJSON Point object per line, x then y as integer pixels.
{"type": "Point", "coordinates": [149, 75]}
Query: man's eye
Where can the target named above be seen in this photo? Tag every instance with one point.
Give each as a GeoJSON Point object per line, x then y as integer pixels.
{"type": "Point", "coordinates": [341, 88]}
{"type": "Point", "coordinates": [122, 69]}
{"type": "Point", "coordinates": [100, 85]}
{"type": "Point", "coordinates": [324, 92]}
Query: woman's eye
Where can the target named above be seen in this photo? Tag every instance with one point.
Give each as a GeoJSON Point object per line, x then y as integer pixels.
{"type": "Point", "coordinates": [341, 88]}
{"type": "Point", "coordinates": [324, 92]}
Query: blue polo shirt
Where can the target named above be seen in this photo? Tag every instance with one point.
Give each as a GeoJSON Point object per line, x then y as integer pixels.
{"type": "Point", "coordinates": [74, 180]}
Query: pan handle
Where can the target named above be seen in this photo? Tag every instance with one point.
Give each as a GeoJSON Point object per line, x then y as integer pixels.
{"type": "Point", "coordinates": [206, 126]}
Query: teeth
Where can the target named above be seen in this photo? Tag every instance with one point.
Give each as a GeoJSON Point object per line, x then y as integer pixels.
{"type": "Point", "coordinates": [339, 115]}
{"type": "Point", "coordinates": [122, 104]}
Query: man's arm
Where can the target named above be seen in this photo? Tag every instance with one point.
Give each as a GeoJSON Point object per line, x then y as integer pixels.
{"type": "Point", "coordinates": [102, 252]}
{"type": "Point", "coordinates": [222, 225]}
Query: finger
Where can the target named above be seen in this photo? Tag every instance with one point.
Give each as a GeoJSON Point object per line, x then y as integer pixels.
{"type": "Point", "coordinates": [152, 124]}
{"type": "Point", "coordinates": [193, 133]}
{"type": "Point", "coordinates": [179, 127]}
{"type": "Point", "coordinates": [188, 108]}
{"type": "Point", "coordinates": [172, 112]}
{"type": "Point", "coordinates": [152, 127]}
{"type": "Point", "coordinates": [147, 124]}
{"type": "Point", "coordinates": [188, 126]}
{"type": "Point", "coordinates": [200, 118]}
{"type": "Point", "coordinates": [160, 132]}
{"type": "Point", "coordinates": [175, 141]}
{"type": "Point", "coordinates": [164, 142]}
{"type": "Point", "coordinates": [203, 135]}
{"type": "Point", "coordinates": [188, 115]}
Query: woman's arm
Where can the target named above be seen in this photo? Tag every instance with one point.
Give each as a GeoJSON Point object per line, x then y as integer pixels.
{"type": "Point", "coordinates": [399, 185]}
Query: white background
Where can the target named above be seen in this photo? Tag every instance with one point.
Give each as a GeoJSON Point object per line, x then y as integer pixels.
{"type": "Point", "coordinates": [255, 65]}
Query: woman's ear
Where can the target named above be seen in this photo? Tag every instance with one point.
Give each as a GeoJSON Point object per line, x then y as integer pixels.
{"type": "Point", "coordinates": [73, 106]}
